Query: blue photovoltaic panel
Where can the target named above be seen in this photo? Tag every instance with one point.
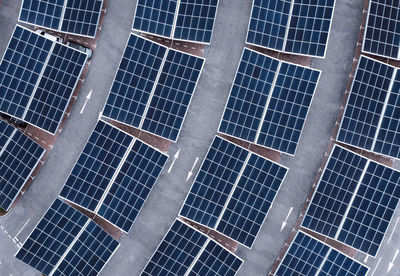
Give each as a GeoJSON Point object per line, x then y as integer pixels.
{"type": "Point", "coordinates": [42, 13]}
{"type": "Point", "coordinates": [81, 17]}
{"type": "Point", "coordinates": [176, 252]}
{"type": "Point", "coordinates": [248, 95]}
{"type": "Point", "coordinates": [388, 138]}
{"type": "Point", "coordinates": [55, 88]}
{"type": "Point", "coordinates": [51, 237]}
{"type": "Point", "coordinates": [251, 200]}
{"type": "Point", "coordinates": [382, 33]}
{"type": "Point", "coordinates": [132, 185]}
{"type": "Point", "coordinates": [17, 162]}
{"type": "Point", "coordinates": [309, 27]}
{"type": "Point", "coordinates": [96, 166]}
{"type": "Point", "coordinates": [172, 95]}
{"type": "Point", "coordinates": [134, 81]}
{"type": "Point", "coordinates": [365, 103]}
{"type": "Point", "coordinates": [334, 192]}
{"type": "Point", "coordinates": [372, 210]}
{"type": "Point", "coordinates": [20, 69]}
{"type": "Point", "coordinates": [89, 254]}
{"type": "Point", "coordinates": [268, 23]}
{"type": "Point", "coordinates": [288, 107]}
{"type": "Point", "coordinates": [215, 260]}
{"type": "Point", "coordinates": [155, 16]}
{"type": "Point", "coordinates": [308, 256]}
{"type": "Point", "coordinates": [195, 20]}
{"type": "Point", "coordinates": [5, 133]}
{"type": "Point", "coordinates": [214, 182]}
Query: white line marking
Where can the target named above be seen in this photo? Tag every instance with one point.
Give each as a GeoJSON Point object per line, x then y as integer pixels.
{"type": "Point", "coordinates": [20, 230]}
{"type": "Point", "coordinates": [379, 261]}
{"type": "Point", "coordinates": [394, 228]}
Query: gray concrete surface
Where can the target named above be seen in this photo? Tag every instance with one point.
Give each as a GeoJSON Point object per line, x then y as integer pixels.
{"type": "Point", "coordinates": [198, 131]}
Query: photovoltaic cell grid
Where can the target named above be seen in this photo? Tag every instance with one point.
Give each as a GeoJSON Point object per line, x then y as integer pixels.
{"type": "Point", "coordinates": [65, 237]}
{"type": "Point", "coordinates": [182, 20]}
{"type": "Point", "coordinates": [382, 32]}
{"type": "Point", "coordinates": [300, 27]}
{"type": "Point", "coordinates": [78, 17]}
{"type": "Point", "coordinates": [233, 191]}
{"type": "Point", "coordinates": [185, 250]}
{"type": "Point", "coordinates": [371, 118]}
{"type": "Point", "coordinates": [153, 87]}
{"type": "Point", "coordinates": [308, 256]}
{"type": "Point", "coordinates": [355, 201]}
{"type": "Point", "coordinates": [114, 175]}
{"type": "Point", "coordinates": [269, 102]}
{"type": "Point", "coordinates": [19, 156]}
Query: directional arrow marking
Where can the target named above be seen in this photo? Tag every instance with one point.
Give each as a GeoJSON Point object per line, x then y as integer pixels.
{"type": "Point", "coordinates": [190, 173]}
{"type": "Point", "coordinates": [88, 96]}
{"type": "Point", "coordinates": [391, 264]}
{"type": "Point", "coordinates": [176, 156]}
{"type": "Point", "coordinates": [284, 223]}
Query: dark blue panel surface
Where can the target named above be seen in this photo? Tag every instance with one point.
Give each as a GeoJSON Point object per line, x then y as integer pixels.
{"type": "Point", "coordinates": [55, 88]}
{"type": "Point", "coordinates": [17, 162]}
{"type": "Point", "coordinates": [214, 182]}
{"type": "Point", "coordinates": [132, 185]}
{"type": "Point", "coordinates": [268, 23]}
{"type": "Point", "coordinates": [251, 200]}
{"type": "Point", "coordinates": [81, 17]}
{"type": "Point", "coordinates": [42, 13]}
{"type": "Point", "coordinates": [20, 69]}
{"type": "Point", "coordinates": [96, 166]}
{"type": "Point", "coordinates": [365, 103]}
{"type": "Point", "coordinates": [309, 27]}
{"type": "Point", "coordinates": [155, 16]}
{"type": "Point", "coordinates": [176, 252]}
{"type": "Point", "coordinates": [382, 33]}
{"type": "Point", "coordinates": [248, 96]}
{"type": "Point", "coordinates": [172, 95]}
{"type": "Point", "coordinates": [334, 192]}
{"type": "Point", "coordinates": [338, 264]}
{"type": "Point", "coordinates": [134, 81]}
{"type": "Point", "coordinates": [5, 133]}
{"type": "Point", "coordinates": [52, 236]}
{"type": "Point", "coordinates": [195, 20]}
{"type": "Point", "coordinates": [89, 254]}
{"type": "Point", "coordinates": [288, 107]}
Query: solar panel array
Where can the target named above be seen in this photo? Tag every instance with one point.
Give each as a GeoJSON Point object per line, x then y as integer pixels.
{"type": "Point", "coordinates": [298, 27]}
{"type": "Point", "coordinates": [269, 102]}
{"type": "Point", "coordinates": [77, 17]}
{"type": "Point", "coordinates": [354, 201]}
{"type": "Point", "coordinates": [38, 78]}
{"type": "Point", "coordinates": [233, 191]}
{"type": "Point", "coordinates": [308, 256]}
{"type": "Point", "coordinates": [371, 117]}
{"type": "Point", "coordinates": [66, 242]}
{"type": "Point", "coordinates": [19, 156]}
{"type": "Point", "coordinates": [181, 20]}
{"type": "Point", "coordinates": [114, 175]}
{"type": "Point", "coordinates": [187, 251]}
{"type": "Point", "coordinates": [153, 87]}
{"type": "Point", "coordinates": [382, 31]}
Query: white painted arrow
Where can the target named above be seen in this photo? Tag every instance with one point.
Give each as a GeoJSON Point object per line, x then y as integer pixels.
{"type": "Point", "coordinates": [176, 156]}
{"type": "Point", "coordinates": [190, 173]}
{"type": "Point", "coordinates": [284, 223]}
{"type": "Point", "coordinates": [391, 264]}
{"type": "Point", "coordinates": [86, 101]}
{"type": "Point", "coordinates": [366, 259]}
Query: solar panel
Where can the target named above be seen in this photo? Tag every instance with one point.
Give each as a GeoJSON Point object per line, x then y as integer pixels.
{"type": "Point", "coordinates": [269, 102]}
{"type": "Point", "coordinates": [78, 17]}
{"type": "Point", "coordinates": [181, 20]}
{"type": "Point", "coordinates": [308, 256]}
{"type": "Point", "coordinates": [354, 201]}
{"type": "Point", "coordinates": [114, 175]}
{"type": "Point", "coordinates": [370, 119]}
{"type": "Point", "coordinates": [299, 27]}
{"type": "Point", "coordinates": [66, 242]}
{"type": "Point", "coordinates": [19, 156]}
{"type": "Point", "coordinates": [382, 36]}
{"type": "Point", "coordinates": [187, 251]}
{"type": "Point", "coordinates": [153, 87]}
{"type": "Point", "coordinates": [233, 191]}
{"type": "Point", "coordinates": [37, 79]}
